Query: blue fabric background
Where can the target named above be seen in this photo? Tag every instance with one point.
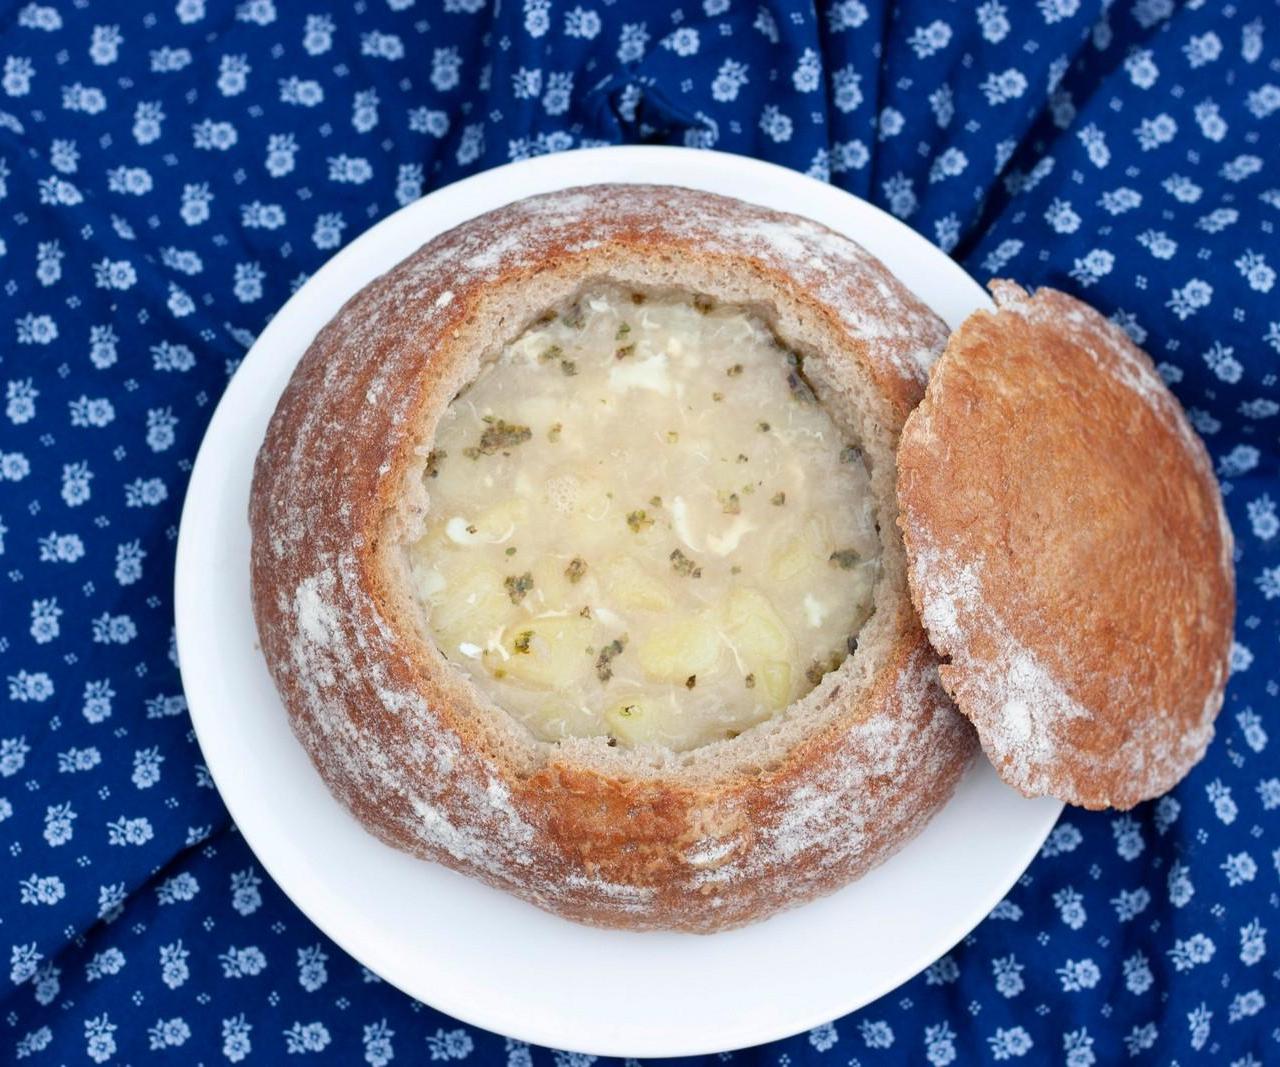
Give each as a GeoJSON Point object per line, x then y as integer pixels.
{"type": "Point", "coordinates": [169, 172]}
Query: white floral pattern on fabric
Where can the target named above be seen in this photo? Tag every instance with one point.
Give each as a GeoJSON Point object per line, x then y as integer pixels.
{"type": "Point", "coordinates": [170, 174]}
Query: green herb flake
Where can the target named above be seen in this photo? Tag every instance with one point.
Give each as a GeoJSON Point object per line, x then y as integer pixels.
{"type": "Point", "coordinates": [604, 661]}
{"type": "Point", "coordinates": [672, 437]}
{"type": "Point", "coordinates": [683, 565]}
{"type": "Point", "coordinates": [623, 330]}
{"type": "Point", "coordinates": [734, 371]}
{"type": "Point", "coordinates": [499, 435]}
{"type": "Point", "coordinates": [655, 502]}
{"type": "Point", "coordinates": [568, 367]}
{"type": "Point", "coordinates": [749, 681]}
{"type": "Point", "coordinates": [638, 521]}
{"type": "Point", "coordinates": [844, 558]}
{"type": "Point", "coordinates": [576, 569]}
{"type": "Point", "coordinates": [625, 351]}
{"type": "Point", "coordinates": [730, 503]}
{"type": "Point", "coordinates": [518, 586]}
{"type": "Point", "coordinates": [550, 353]}
{"type": "Point", "coordinates": [778, 499]}
{"type": "Point", "coordinates": [553, 434]}
{"type": "Point", "coordinates": [691, 681]}
{"type": "Point", "coordinates": [763, 427]}
{"type": "Point", "coordinates": [717, 397]}
{"type": "Point", "coordinates": [511, 551]}
{"type": "Point", "coordinates": [522, 642]}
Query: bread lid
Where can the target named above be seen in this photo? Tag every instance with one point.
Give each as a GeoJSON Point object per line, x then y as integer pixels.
{"type": "Point", "coordinates": [1068, 552]}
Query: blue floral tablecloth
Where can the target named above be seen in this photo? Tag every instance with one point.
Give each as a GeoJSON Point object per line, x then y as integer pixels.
{"type": "Point", "coordinates": [170, 172]}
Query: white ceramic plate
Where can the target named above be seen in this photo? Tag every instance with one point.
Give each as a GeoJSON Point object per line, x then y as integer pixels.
{"type": "Point", "coordinates": [470, 951]}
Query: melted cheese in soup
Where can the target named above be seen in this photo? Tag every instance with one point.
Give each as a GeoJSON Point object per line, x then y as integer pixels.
{"type": "Point", "coordinates": [643, 526]}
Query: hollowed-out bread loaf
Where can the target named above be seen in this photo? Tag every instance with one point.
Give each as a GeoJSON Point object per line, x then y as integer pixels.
{"type": "Point", "coordinates": [716, 836]}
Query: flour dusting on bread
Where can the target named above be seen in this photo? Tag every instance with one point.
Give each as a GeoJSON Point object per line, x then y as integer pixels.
{"type": "Point", "coordinates": [1068, 550]}
{"type": "Point", "coordinates": [716, 837]}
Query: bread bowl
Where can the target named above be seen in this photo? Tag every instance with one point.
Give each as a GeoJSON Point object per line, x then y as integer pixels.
{"type": "Point", "coordinates": [719, 833]}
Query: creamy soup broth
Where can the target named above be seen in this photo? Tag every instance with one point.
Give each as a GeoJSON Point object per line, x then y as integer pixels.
{"type": "Point", "coordinates": [643, 526]}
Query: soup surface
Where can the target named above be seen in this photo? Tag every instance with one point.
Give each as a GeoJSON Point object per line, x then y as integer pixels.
{"type": "Point", "coordinates": [643, 526]}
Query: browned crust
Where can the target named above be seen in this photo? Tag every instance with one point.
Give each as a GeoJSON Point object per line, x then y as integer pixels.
{"type": "Point", "coordinates": [1068, 551]}
{"type": "Point", "coordinates": [394, 731]}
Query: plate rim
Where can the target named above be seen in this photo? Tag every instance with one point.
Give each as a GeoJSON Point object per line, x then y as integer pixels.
{"type": "Point", "coordinates": [681, 165]}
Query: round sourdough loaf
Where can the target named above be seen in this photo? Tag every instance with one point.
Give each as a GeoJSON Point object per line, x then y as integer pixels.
{"type": "Point", "coordinates": [1068, 552]}
{"type": "Point", "coordinates": [701, 840]}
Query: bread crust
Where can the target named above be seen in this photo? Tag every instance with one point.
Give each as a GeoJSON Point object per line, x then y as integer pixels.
{"type": "Point", "coordinates": [723, 837]}
{"type": "Point", "coordinates": [1068, 552]}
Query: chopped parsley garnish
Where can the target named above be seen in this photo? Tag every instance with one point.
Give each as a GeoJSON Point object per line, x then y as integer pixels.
{"type": "Point", "coordinates": [734, 371]}
{"type": "Point", "coordinates": [553, 434]}
{"type": "Point", "coordinates": [521, 643]}
{"type": "Point", "coordinates": [549, 353]}
{"type": "Point", "coordinates": [518, 586]}
{"type": "Point", "coordinates": [638, 521]}
{"type": "Point", "coordinates": [498, 435]}
{"type": "Point", "coordinates": [683, 565]}
{"type": "Point", "coordinates": [568, 367]}
{"type": "Point", "coordinates": [763, 427]}
{"type": "Point", "coordinates": [750, 681]}
{"type": "Point", "coordinates": [576, 569]}
{"type": "Point", "coordinates": [604, 661]}
{"type": "Point", "coordinates": [845, 558]}
{"type": "Point", "coordinates": [730, 503]}
{"type": "Point", "coordinates": [625, 351]}
{"type": "Point", "coordinates": [623, 330]}
{"type": "Point", "coordinates": [778, 499]}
